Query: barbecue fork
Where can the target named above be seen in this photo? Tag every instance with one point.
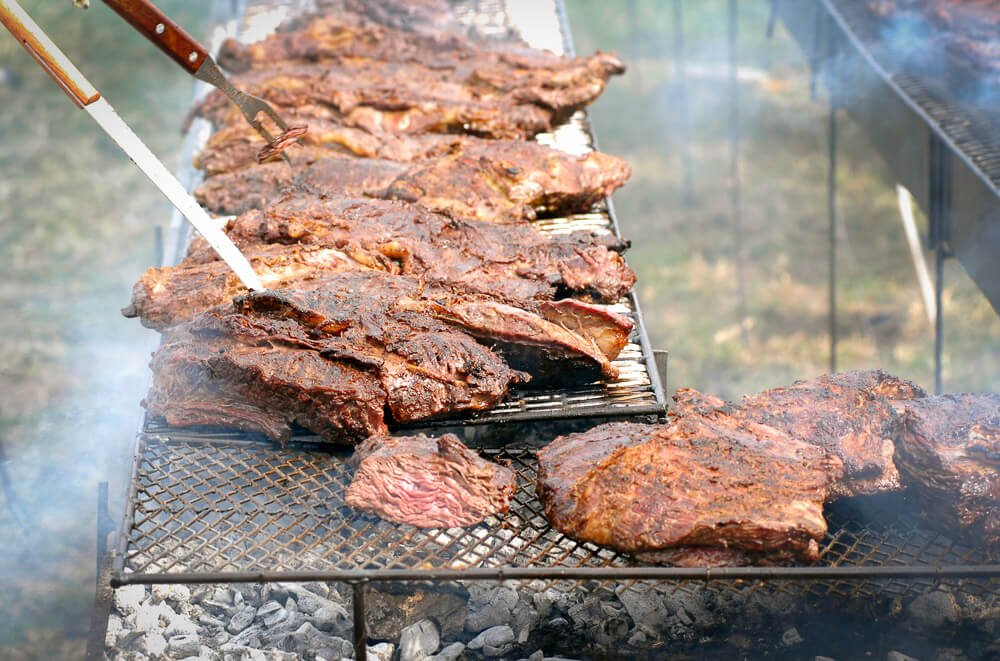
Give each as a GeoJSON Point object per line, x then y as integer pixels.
{"type": "Point", "coordinates": [183, 49]}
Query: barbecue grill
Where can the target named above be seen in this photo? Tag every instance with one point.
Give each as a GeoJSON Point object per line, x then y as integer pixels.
{"type": "Point", "coordinates": [940, 142]}
{"type": "Point", "coordinates": [216, 506]}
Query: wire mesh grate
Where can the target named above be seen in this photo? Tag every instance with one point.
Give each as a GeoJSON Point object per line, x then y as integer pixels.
{"type": "Point", "coordinates": [202, 507]}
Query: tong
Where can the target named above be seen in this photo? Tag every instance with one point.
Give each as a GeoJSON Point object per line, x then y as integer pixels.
{"type": "Point", "coordinates": [183, 49]}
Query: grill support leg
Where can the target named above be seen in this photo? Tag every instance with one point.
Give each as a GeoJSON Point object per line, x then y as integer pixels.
{"type": "Point", "coordinates": [681, 98]}
{"type": "Point", "coordinates": [735, 202]}
{"type": "Point", "coordinates": [360, 621]}
{"type": "Point", "coordinates": [940, 240]}
{"type": "Point", "coordinates": [831, 209]}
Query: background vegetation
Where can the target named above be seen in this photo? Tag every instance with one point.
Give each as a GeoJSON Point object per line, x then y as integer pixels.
{"type": "Point", "coordinates": [76, 229]}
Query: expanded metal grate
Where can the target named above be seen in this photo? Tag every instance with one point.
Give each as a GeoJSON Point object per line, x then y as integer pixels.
{"type": "Point", "coordinates": [218, 505]}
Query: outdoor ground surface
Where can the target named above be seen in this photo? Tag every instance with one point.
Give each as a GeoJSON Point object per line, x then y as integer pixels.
{"type": "Point", "coordinates": [76, 229]}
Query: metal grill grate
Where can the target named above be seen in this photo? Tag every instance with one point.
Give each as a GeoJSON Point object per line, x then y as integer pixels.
{"type": "Point", "coordinates": [214, 505]}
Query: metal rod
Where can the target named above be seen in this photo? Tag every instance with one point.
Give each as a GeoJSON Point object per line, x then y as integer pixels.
{"type": "Point", "coordinates": [735, 202]}
{"type": "Point", "coordinates": [360, 621]}
{"type": "Point", "coordinates": [100, 612]}
{"type": "Point", "coordinates": [939, 256]}
{"type": "Point", "coordinates": [682, 107]}
{"type": "Point", "coordinates": [772, 19]}
{"type": "Point", "coordinates": [102, 526]}
{"type": "Point", "coordinates": [569, 573]}
{"type": "Point", "coordinates": [831, 209]}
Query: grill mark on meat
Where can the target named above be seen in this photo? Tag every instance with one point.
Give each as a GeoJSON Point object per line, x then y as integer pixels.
{"type": "Point", "coordinates": [427, 482]}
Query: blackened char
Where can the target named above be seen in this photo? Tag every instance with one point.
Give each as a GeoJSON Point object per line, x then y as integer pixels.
{"type": "Point", "coordinates": [949, 455]}
{"type": "Point", "coordinates": [692, 485]}
{"type": "Point", "coordinates": [428, 482]}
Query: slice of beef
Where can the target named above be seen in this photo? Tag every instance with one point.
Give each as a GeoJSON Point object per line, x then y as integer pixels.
{"type": "Point", "coordinates": [509, 181]}
{"type": "Point", "coordinates": [500, 181]}
{"type": "Point", "coordinates": [254, 386]}
{"type": "Point", "coordinates": [237, 146]}
{"type": "Point", "coordinates": [407, 239]}
{"type": "Point", "coordinates": [539, 77]}
{"type": "Point", "coordinates": [850, 414]}
{"type": "Point", "coordinates": [428, 482]}
{"type": "Point", "coordinates": [380, 97]}
{"type": "Point", "coordinates": [949, 455]}
{"type": "Point", "coordinates": [642, 488]}
{"type": "Point", "coordinates": [253, 187]}
{"type": "Point", "coordinates": [171, 295]}
{"type": "Point", "coordinates": [549, 352]}
{"type": "Point", "coordinates": [296, 357]}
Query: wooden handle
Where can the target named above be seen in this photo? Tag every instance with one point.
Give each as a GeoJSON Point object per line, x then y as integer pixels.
{"type": "Point", "coordinates": [47, 54]}
{"type": "Point", "coordinates": [145, 17]}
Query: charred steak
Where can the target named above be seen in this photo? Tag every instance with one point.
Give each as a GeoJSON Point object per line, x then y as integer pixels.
{"type": "Point", "coordinates": [949, 455]}
{"type": "Point", "coordinates": [850, 414]}
{"type": "Point", "coordinates": [508, 181]}
{"type": "Point", "coordinates": [255, 186]}
{"type": "Point", "coordinates": [691, 486]}
{"type": "Point", "coordinates": [499, 181]}
{"type": "Point", "coordinates": [380, 97]}
{"type": "Point", "coordinates": [293, 355]}
{"type": "Point", "coordinates": [428, 482]}
{"type": "Point", "coordinates": [515, 264]}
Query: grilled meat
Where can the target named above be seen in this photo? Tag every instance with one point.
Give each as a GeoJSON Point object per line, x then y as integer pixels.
{"type": "Point", "coordinates": [508, 181]}
{"type": "Point", "coordinates": [296, 357]}
{"type": "Point", "coordinates": [533, 76]}
{"type": "Point", "coordinates": [415, 340]}
{"type": "Point", "coordinates": [949, 455]}
{"type": "Point", "coordinates": [693, 486]}
{"type": "Point", "coordinates": [254, 187]}
{"type": "Point", "coordinates": [850, 414]}
{"type": "Point", "coordinates": [428, 482]}
{"type": "Point", "coordinates": [251, 384]}
{"type": "Point", "coordinates": [236, 146]}
{"type": "Point", "coordinates": [382, 97]}
{"type": "Point", "coordinates": [515, 264]}
{"type": "Point", "coordinates": [498, 181]}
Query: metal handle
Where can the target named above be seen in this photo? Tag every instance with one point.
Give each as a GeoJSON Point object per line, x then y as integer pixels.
{"type": "Point", "coordinates": [47, 54]}
{"type": "Point", "coordinates": [153, 24]}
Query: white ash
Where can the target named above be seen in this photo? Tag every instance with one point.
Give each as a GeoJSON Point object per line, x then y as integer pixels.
{"type": "Point", "coordinates": [511, 620]}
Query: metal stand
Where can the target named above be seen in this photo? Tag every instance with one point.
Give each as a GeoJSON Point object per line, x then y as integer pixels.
{"type": "Point", "coordinates": [735, 202]}
{"type": "Point", "coordinates": [360, 622]}
{"type": "Point", "coordinates": [680, 96]}
{"type": "Point", "coordinates": [831, 209]}
{"type": "Point", "coordinates": [101, 610]}
{"type": "Point", "coordinates": [940, 239]}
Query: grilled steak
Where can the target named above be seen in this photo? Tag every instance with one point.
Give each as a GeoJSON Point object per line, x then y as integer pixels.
{"type": "Point", "coordinates": [949, 455]}
{"type": "Point", "coordinates": [507, 181]}
{"type": "Point", "coordinates": [428, 482]}
{"type": "Point", "coordinates": [382, 97]}
{"type": "Point", "coordinates": [499, 181]}
{"type": "Point", "coordinates": [693, 485]}
{"type": "Point", "coordinates": [296, 356]}
{"type": "Point", "coordinates": [236, 146]}
{"type": "Point", "coordinates": [253, 187]}
{"type": "Point", "coordinates": [850, 414]}
{"type": "Point", "coordinates": [250, 384]}
{"type": "Point", "coordinates": [536, 76]}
